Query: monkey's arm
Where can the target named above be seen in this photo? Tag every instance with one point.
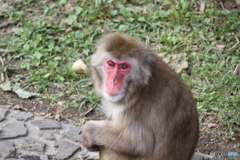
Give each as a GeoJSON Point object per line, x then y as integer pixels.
{"type": "Point", "coordinates": [132, 140]}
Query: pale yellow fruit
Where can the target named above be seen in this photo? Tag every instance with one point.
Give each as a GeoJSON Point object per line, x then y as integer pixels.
{"type": "Point", "coordinates": [80, 67]}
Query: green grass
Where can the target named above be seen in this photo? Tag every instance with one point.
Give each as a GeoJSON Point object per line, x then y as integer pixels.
{"type": "Point", "coordinates": [49, 39]}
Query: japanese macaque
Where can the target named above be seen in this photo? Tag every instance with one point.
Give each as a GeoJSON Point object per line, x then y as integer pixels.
{"type": "Point", "coordinates": [151, 111]}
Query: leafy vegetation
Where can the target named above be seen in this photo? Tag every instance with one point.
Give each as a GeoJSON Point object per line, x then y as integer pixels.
{"type": "Point", "coordinates": [48, 36]}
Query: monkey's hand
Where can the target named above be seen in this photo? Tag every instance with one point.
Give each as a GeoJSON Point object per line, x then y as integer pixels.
{"type": "Point", "coordinates": [90, 135]}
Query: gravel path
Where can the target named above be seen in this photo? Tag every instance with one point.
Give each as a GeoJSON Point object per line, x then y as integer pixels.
{"type": "Point", "coordinates": [24, 136]}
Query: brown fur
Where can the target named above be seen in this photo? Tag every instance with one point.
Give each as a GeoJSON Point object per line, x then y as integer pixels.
{"type": "Point", "coordinates": [158, 119]}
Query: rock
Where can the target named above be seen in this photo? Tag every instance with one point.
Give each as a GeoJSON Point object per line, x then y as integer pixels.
{"type": "Point", "coordinates": [17, 106]}
{"type": "Point", "coordinates": [13, 130]}
{"type": "Point", "coordinates": [7, 150]}
{"type": "Point", "coordinates": [46, 143]}
{"type": "Point", "coordinates": [65, 150]}
{"type": "Point", "coordinates": [80, 67]}
{"type": "Point", "coordinates": [59, 85]}
{"type": "Point", "coordinates": [47, 136]}
{"type": "Point", "coordinates": [23, 116]}
{"type": "Point", "coordinates": [3, 113]}
{"type": "Point", "coordinates": [43, 157]}
{"type": "Point", "coordinates": [73, 134]}
{"type": "Point", "coordinates": [47, 124]}
{"type": "Point", "coordinates": [31, 144]}
{"type": "Point", "coordinates": [33, 157]}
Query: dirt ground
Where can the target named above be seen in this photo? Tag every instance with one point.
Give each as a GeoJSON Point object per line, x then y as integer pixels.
{"type": "Point", "coordinates": [212, 134]}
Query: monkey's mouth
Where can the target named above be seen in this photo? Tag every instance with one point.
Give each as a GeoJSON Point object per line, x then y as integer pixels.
{"type": "Point", "coordinates": [112, 94]}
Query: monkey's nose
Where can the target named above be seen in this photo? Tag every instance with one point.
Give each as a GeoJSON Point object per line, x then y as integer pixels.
{"type": "Point", "coordinates": [114, 81]}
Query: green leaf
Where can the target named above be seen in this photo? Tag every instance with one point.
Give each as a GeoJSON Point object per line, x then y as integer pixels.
{"type": "Point", "coordinates": [37, 55]}
{"type": "Point", "coordinates": [78, 10]}
{"type": "Point", "coordinates": [70, 19]}
{"type": "Point", "coordinates": [22, 93]}
{"type": "Point", "coordinates": [141, 19]}
{"type": "Point", "coordinates": [164, 14]}
{"type": "Point", "coordinates": [123, 27]}
{"type": "Point", "coordinates": [113, 12]}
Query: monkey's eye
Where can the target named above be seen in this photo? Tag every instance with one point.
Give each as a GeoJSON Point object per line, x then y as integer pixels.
{"type": "Point", "coordinates": [111, 63]}
{"type": "Point", "coordinates": [124, 66]}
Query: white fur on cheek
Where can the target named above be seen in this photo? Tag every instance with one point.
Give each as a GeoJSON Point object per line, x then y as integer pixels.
{"type": "Point", "coordinates": [112, 98]}
{"type": "Point", "coordinates": [96, 123]}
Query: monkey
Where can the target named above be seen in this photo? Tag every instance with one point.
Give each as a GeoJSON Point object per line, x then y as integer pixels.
{"type": "Point", "coordinates": [151, 113]}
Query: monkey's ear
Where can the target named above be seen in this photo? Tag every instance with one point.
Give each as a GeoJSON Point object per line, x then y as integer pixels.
{"type": "Point", "coordinates": [146, 68]}
{"type": "Point", "coordinates": [97, 76]}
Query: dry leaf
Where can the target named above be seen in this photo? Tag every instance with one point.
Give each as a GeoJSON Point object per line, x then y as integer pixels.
{"type": "Point", "coordinates": [156, 47]}
{"type": "Point", "coordinates": [104, 10]}
{"type": "Point", "coordinates": [5, 84]}
{"type": "Point", "coordinates": [70, 23]}
{"type": "Point", "coordinates": [177, 62]}
{"type": "Point", "coordinates": [121, 18]}
{"type": "Point", "coordinates": [219, 47]}
{"type": "Point", "coordinates": [57, 117]}
{"type": "Point", "coordinates": [59, 109]}
{"type": "Point", "coordinates": [97, 20]}
{"type": "Point", "coordinates": [192, 42]}
{"type": "Point", "coordinates": [204, 129]}
{"type": "Point", "coordinates": [90, 83]}
{"type": "Point", "coordinates": [162, 54]}
{"type": "Point", "coordinates": [67, 6]}
{"type": "Point", "coordinates": [202, 6]}
{"type": "Point", "coordinates": [212, 125]}
{"type": "Point", "coordinates": [37, 100]}
{"type": "Point", "coordinates": [171, 16]}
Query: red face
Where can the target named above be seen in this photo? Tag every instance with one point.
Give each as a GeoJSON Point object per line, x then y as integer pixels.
{"type": "Point", "coordinates": [115, 72]}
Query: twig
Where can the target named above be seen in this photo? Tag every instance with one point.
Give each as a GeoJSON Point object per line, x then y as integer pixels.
{"type": "Point", "coordinates": [4, 25]}
{"type": "Point", "coordinates": [49, 115]}
{"type": "Point", "coordinates": [88, 111]}
{"type": "Point", "coordinates": [234, 44]}
{"type": "Point", "coordinates": [224, 7]}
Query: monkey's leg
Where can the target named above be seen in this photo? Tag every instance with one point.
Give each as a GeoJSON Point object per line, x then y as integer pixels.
{"type": "Point", "coordinates": [107, 154]}
{"type": "Point", "coordinates": [91, 156]}
{"type": "Point", "coordinates": [117, 138]}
